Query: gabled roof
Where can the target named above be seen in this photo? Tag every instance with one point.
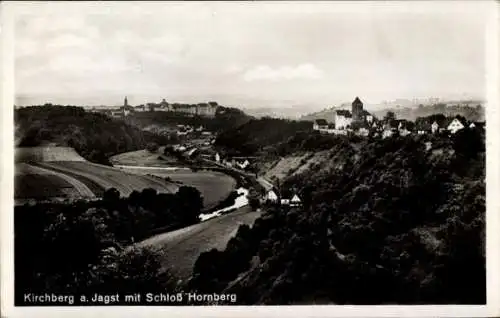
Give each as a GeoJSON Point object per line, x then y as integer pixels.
{"type": "Point", "coordinates": [295, 199]}
{"type": "Point", "coordinates": [357, 101]}
{"type": "Point", "coordinates": [321, 122]}
{"type": "Point", "coordinates": [272, 195]}
{"type": "Point", "coordinates": [343, 112]}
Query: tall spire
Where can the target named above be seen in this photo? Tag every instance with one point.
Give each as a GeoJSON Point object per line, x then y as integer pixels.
{"type": "Point", "coordinates": [125, 103]}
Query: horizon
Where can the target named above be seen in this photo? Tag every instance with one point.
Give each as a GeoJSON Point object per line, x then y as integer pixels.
{"type": "Point", "coordinates": [251, 55]}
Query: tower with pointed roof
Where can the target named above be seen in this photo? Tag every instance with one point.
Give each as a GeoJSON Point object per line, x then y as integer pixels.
{"type": "Point", "coordinates": [125, 102]}
{"type": "Point", "coordinates": [357, 110]}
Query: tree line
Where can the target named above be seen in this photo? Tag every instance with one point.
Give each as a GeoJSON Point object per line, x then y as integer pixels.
{"type": "Point", "coordinates": [85, 247]}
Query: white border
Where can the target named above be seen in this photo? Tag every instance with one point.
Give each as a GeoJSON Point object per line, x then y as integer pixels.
{"type": "Point", "coordinates": [8, 12]}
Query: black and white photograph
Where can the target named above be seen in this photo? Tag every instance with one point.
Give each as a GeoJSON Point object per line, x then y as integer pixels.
{"type": "Point", "coordinates": [180, 154]}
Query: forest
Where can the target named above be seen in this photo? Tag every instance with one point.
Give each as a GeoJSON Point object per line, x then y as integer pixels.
{"type": "Point", "coordinates": [86, 247]}
{"type": "Point", "coordinates": [258, 134]}
{"type": "Point", "coordinates": [94, 136]}
{"type": "Point", "coordinates": [388, 221]}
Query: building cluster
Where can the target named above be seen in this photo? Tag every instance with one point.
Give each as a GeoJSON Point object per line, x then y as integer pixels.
{"type": "Point", "coordinates": [362, 123]}
{"type": "Point", "coordinates": [358, 120]}
{"type": "Point", "coordinates": [202, 109]}
{"type": "Point", "coordinates": [242, 163]}
{"type": "Point", "coordinates": [272, 198]}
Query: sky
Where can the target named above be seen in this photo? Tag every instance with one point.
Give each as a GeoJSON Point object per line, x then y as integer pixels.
{"type": "Point", "coordinates": [250, 54]}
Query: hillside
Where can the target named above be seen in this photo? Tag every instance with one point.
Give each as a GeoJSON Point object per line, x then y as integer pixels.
{"type": "Point", "coordinates": [48, 153]}
{"type": "Point", "coordinates": [94, 136]}
{"type": "Point", "coordinates": [383, 222]}
{"type": "Point", "coordinates": [257, 134]}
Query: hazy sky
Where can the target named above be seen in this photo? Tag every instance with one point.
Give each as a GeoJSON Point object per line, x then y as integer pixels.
{"type": "Point", "coordinates": [300, 53]}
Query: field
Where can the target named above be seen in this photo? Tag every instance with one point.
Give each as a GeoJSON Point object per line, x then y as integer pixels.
{"type": "Point", "coordinates": [179, 249]}
{"type": "Point", "coordinates": [214, 186]}
{"type": "Point", "coordinates": [59, 172]}
{"type": "Point", "coordinates": [142, 158]}
{"type": "Point", "coordinates": [108, 177]}
{"type": "Point", "coordinates": [44, 154]}
{"type": "Point", "coordinates": [33, 182]}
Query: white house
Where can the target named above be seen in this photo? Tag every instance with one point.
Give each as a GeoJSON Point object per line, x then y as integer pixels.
{"type": "Point", "coordinates": [140, 108]}
{"type": "Point", "coordinates": [295, 200]}
{"type": "Point", "coordinates": [363, 132]}
{"type": "Point", "coordinates": [343, 119]}
{"type": "Point", "coordinates": [387, 133]}
{"type": "Point", "coordinates": [472, 125]}
{"type": "Point", "coordinates": [271, 196]}
{"type": "Point", "coordinates": [320, 124]}
{"type": "Point", "coordinates": [243, 165]}
{"type": "Point", "coordinates": [434, 127]}
{"type": "Point", "coordinates": [217, 157]}
{"type": "Point", "coordinates": [285, 201]}
{"type": "Point", "coordinates": [455, 125]}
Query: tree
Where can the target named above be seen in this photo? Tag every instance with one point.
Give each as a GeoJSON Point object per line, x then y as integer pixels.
{"type": "Point", "coordinates": [190, 204]}
{"type": "Point", "coordinates": [389, 116]}
{"type": "Point", "coordinates": [152, 147]}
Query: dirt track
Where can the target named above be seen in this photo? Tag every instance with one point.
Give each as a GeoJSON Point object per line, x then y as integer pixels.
{"type": "Point", "coordinates": [181, 248]}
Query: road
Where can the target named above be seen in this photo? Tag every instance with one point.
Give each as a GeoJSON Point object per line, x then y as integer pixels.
{"type": "Point", "coordinates": [180, 249]}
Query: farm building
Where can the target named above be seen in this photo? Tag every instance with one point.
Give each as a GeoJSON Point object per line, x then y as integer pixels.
{"type": "Point", "coordinates": [295, 201]}
{"type": "Point", "coordinates": [271, 196]}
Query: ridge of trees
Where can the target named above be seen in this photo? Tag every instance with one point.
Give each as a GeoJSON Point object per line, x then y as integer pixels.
{"type": "Point", "coordinates": [94, 136]}
{"type": "Point", "coordinates": [258, 134]}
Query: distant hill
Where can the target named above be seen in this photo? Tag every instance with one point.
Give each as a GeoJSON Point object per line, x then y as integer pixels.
{"type": "Point", "coordinates": [288, 112]}
{"type": "Point", "coordinates": [471, 113]}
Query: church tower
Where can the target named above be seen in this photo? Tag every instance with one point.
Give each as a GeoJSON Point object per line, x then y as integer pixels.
{"type": "Point", "coordinates": [125, 102]}
{"type": "Point", "coordinates": [357, 110]}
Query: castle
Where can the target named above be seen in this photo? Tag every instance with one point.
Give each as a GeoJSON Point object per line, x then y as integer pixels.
{"type": "Point", "coordinates": [359, 117]}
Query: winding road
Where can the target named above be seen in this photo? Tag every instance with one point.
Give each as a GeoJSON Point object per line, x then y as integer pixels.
{"type": "Point", "coordinates": [180, 249]}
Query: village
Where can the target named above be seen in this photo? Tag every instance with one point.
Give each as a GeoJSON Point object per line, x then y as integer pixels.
{"type": "Point", "coordinates": [361, 123]}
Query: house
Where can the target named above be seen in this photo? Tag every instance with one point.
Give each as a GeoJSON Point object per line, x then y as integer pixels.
{"type": "Point", "coordinates": [271, 196]}
{"type": "Point", "coordinates": [363, 132]}
{"type": "Point", "coordinates": [285, 201]}
{"type": "Point", "coordinates": [455, 125]}
{"type": "Point", "coordinates": [434, 127]}
{"type": "Point", "coordinates": [387, 133]}
{"type": "Point", "coordinates": [140, 108]}
{"type": "Point", "coordinates": [217, 157]}
{"type": "Point", "coordinates": [295, 201]}
{"type": "Point", "coordinates": [343, 119]}
{"type": "Point", "coordinates": [320, 124]}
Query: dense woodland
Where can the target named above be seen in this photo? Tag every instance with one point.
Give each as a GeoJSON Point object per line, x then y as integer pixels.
{"type": "Point", "coordinates": [383, 222]}
{"type": "Point", "coordinates": [79, 248]}
{"type": "Point", "coordinates": [258, 134]}
{"type": "Point", "coordinates": [94, 136]}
